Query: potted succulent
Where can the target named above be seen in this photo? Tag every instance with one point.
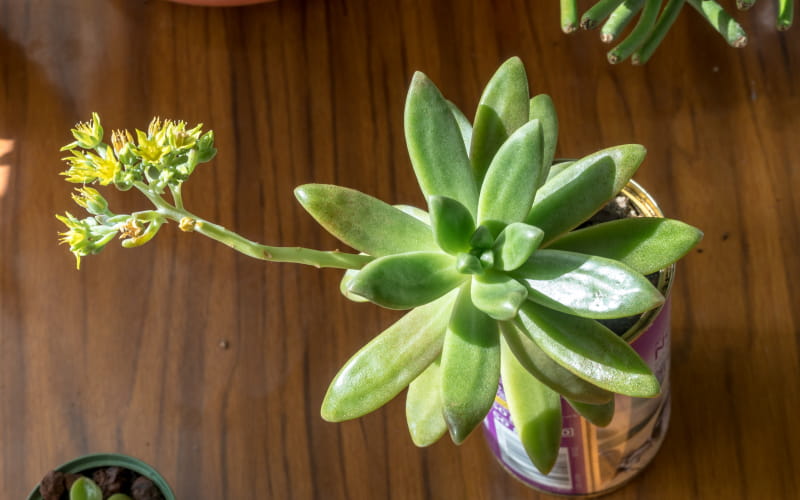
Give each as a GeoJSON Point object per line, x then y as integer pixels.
{"type": "Point", "coordinates": [654, 22]}
{"type": "Point", "coordinates": [103, 476]}
{"type": "Point", "coordinates": [495, 280]}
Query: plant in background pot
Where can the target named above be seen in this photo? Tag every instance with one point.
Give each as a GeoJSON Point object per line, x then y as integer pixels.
{"type": "Point", "coordinates": [494, 277]}
{"type": "Point", "coordinates": [654, 22]}
{"type": "Point", "coordinates": [103, 476]}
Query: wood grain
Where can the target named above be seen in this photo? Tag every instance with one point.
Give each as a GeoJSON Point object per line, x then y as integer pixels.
{"type": "Point", "coordinates": [127, 354]}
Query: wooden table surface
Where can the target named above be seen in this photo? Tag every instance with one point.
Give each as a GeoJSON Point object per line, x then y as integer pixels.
{"type": "Point", "coordinates": [212, 366]}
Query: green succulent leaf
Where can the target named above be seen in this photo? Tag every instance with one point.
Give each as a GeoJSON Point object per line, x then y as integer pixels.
{"type": "Point", "coordinates": [586, 286]}
{"type": "Point", "coordinates": [365, 223]}
{"type": "Point", "coordinates": [645, 244]}
{"type": "Point", "coordinates": [345, 283]}
{"type": "Point", "coordinates": [417, 213]}
{"type": "Point", "coordinates": [85, 489]}
{"type": "Point", "coordinates": [503, 108]}
{"type": "Point", "coordinates": [575, 194]}
{"type": "Point", "coordinates": [542, 109]}
{"type": "Point", "coordinates": [498, 295]}
{"type": "Point", "coordinates": [550, 373]}
{"type": "Point", "coordinates": [424, 406]}
{"type": "Point", "coordinates": [482, 238]}
{"type": "Point", "coordinates": [119, 496]}
{"type": "Point", "coordinates": [510, 184]}
{"type": "Point", "coordinates": [436, 146]}
{"type": "Point", "coordinates": [466, 263]}
{"type": "Point", "coordinates": [535, 411]}
{"type": "Point", "coordinates": [453, 225]}
{"type": "Point", "coordinates": [599, 415]}
{"type": "Point", "coordinates": [388, 363]}
{"type": "Point", "coordinates": [557, 167]}
{"type": "Point", "coordinates": [515, 245]}
{"type": "Point", "coordinates": [406, 280]}
{"type": "Point", "coordinates": [463, 124]}
{"type": "Point", "coordinates": [470, 367]}
{"type": "Point", "coordinates": [589, 350]}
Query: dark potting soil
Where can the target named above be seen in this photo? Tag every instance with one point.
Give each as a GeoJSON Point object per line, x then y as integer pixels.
{"type": "Point", "coordinates": [618, 208]}
{"type": "Point", "coordinates": [111, 480]}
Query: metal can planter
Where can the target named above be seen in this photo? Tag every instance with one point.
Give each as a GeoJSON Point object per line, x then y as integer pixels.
{"type": "Point", "coordinates": [594, 460]}
{"type": "Point", "coordinates": [100, 460]}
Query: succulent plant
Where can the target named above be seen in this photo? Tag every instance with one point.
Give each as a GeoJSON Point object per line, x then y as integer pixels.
{"type": "Point", "coordinates": [494, 277]}
{"type": "Point", "coordinates": [86, 489]}
{"type": "Point", "coordinates": [655, 22]}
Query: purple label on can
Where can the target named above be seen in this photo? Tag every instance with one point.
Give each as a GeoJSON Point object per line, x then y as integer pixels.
{"type": "Point", "coordinates": [591, 459]}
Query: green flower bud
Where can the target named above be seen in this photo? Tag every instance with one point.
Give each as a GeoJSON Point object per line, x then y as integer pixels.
{"type": "Point", "coordinates": [91, 200]}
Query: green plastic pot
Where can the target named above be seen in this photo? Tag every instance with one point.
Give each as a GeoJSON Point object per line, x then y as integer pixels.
{"type": "Point", "coordinates": [97, 460]}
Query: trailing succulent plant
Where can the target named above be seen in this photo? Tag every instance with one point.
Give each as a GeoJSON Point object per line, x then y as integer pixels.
{"type": "Point", "coordinates": [655, 22]}
{"type": "Point", "coordinates": [494, 277]}
{"type": "Point", "coordinates": [86, 489]}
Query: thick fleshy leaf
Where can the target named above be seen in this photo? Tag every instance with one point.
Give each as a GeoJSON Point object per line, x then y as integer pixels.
{"type": "Point", "coordinates": [498, 295]}
{"type": "Point", "coordinates": [406, 280]}
{"type": "Point", "coordinates": [389, 362]}
{"type": "Point", "coordinates": [503, 108]}
{"type": "Point", "coordinates": [599, 415]}
{"type": "Point", "coordinates": [581, 189]}
{"type": "Point", "coordinates": [587, 286]}
{"type": "Point", "coordinates": [535, 411]}
{"type": "Point", "coordinates": [436, 146]}
{"type": "Point", "coordinates": [589, 350]}
{"type": "Point", "coordinates": [646, 244]}
{"type": "Point", "coordinates": [542, 109]}
{"type": "Point", "coordinates": [453, 225]}
{"type": "Point", "coordinates": [558, 166]}
{"type": "Point", "coordinates": [515, 245]}
{"type": "Point", "coordinates": [463, 124]}
{"type": "Point", "coordinates": [550, 373]}
{"type": "Point", "coordinates": [510, 184]}
{"type": "Point", "coordinates": [85, 489]}
{"type": "Point", "coordinates": [470, 367]}
{"type": "Point", "coordinates": [417, 213]}
{"type": "Point", "coordinates": [365, 223]}
{"type": "Point", "coordinates": [345, 283]}
{"type": "Point", "coordinates": [424, 407]}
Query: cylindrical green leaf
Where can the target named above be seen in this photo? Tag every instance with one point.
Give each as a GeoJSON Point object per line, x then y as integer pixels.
{"type": "Point", "coordinates": [645, 244]}
{"type": "Point", "coordinates": [503, 109]}
{"type": "Point", "coordinates": [436, 146]}
{"type": "Point", "coordinates": [470, 367]}
{"type": "Point", "coordinates": [535, 412]}
{"type": "Point", "coordinates": [406, 280]}
{"type": "Point", "coordinates": [586, 286]}
{"type": "Point", "coordinates": [510, 185]}
{"type": "Point", "coordinates": [589, 350]}
{"type": "Point", "coordinates": [550, 373]}
{"type": "Point", "coordinates": [365, 223]}
{"type": "Point", "coordinates": [599, 415]}
{"type": "Point", "coordinates": [515, 245]}
{"type": "Point", "coordinates": [575, 194]}
{"type": "Point", "coordinates": [498, 295]}
{"type": "Point", "coordinates": [424, 407]}
{"type": "Point", "coordinates": [388, 363]}
{"type": "Point", "coordinates": [453, 225]}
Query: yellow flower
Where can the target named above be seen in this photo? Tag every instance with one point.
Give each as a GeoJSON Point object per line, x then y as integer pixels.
{"type": "Point", "coordinates": [151, 148]}
{"type": "Point", "coordinates": [91, 200]}
{"type": "Point", "coordinates": [120, 139]}
{"type": "Point", "coordinates": [87, 135]}
{"type": "Point", "coordinates": [89, 167]}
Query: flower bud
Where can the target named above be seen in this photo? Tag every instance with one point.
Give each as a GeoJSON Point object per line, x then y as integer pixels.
{"type": "Point", "coordinates": [91, 200]}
